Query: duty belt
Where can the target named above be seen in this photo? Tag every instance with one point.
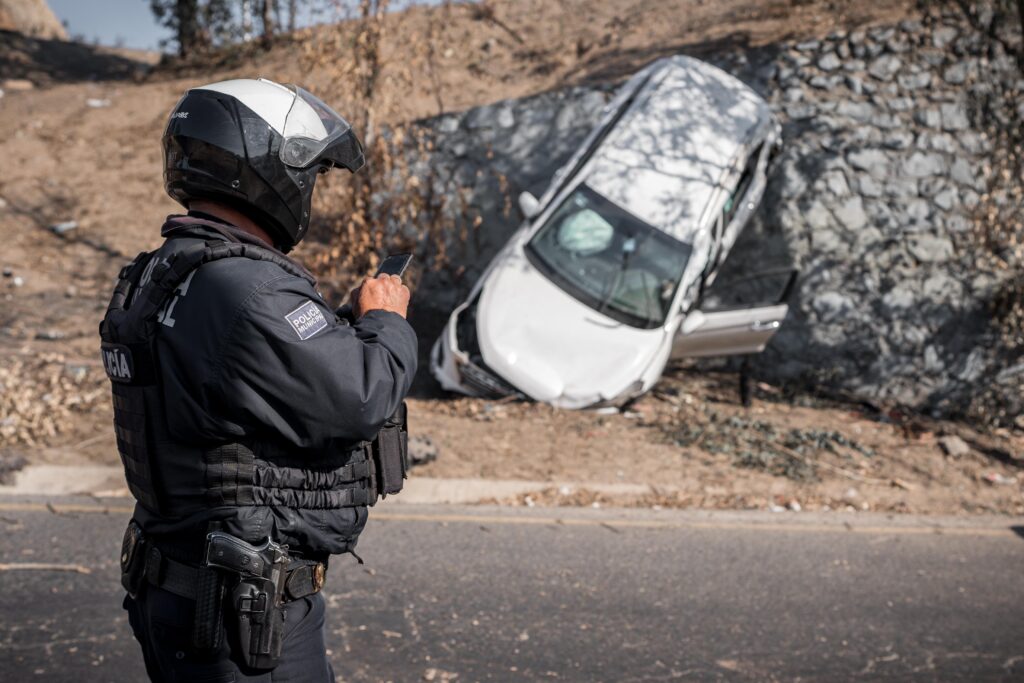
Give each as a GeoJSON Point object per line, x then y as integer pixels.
{"type": "Point", "coordinates": [250, 583]}
{"type": "Point", "coordinates": [303, 578]}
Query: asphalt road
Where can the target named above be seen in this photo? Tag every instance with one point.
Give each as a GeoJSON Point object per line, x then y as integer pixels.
{"type": "Point", "coordinates": [578, 595]}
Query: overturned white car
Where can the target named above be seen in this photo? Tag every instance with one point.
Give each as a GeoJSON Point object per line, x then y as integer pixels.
{"type": "Point", "coordinates": [602, 283]}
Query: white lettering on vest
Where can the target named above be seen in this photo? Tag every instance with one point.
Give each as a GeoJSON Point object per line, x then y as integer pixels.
{"type": "Point", "coordinates": [164, 316]}
{"type": "Point", "coordinates": [115, 362]}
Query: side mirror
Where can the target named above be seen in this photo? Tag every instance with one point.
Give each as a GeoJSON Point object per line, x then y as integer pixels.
{"type": "Point", "coordinates": [692, 322]}
{"type": "Point", "coordinates": [529, 205]}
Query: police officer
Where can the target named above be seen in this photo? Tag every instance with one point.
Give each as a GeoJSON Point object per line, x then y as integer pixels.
{"type": "Point", "coordinates": [254, 423]}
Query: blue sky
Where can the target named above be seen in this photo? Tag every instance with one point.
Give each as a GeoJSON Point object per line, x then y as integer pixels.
{"type": "Point", "coordinates": [132, 22]}
{"type": "Point", "coordinates": [108, 20]}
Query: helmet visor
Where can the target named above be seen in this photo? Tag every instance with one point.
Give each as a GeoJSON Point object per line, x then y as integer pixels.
{"type": "Point", "coordinates": [315, 133]}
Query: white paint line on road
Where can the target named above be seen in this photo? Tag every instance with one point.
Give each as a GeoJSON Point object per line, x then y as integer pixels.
{"type": "Point", "coordinates": [621, 523]}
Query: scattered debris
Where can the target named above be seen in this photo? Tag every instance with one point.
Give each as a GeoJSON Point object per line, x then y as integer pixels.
{"type": "Point", "coordinates": [421, 450]}
{"type": "Point", "coordinates": [62, 513]}
{"type": "Point", "coordinates": [18, 281]}
{"type": "Point", "coordinates": [997, 479]}
{"type": "Point", "coordinates": [7, 271]}
{"type": "Point", "coordinates": [494, 410]}
{"type": "Point", "coordinates": [953, 446]}
{"type": "Point", "coordinates": [97, 103]}
{"type": "Point", "coordinates": [759, 445]}
{"type": "Point", "coordinates": [9, 464]}
{"type": "Point", "coordinates": [50, 335]}
{"type": "Point", "coordinates": [76, 371]}
{"type": "Point", "coordinates": [728, 664]}
{"type": "Point", "coordinates": [63, 227]}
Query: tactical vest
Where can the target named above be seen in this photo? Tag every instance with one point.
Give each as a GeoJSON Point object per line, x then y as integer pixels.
{"type": "Point", "coordinates": [174, 480]}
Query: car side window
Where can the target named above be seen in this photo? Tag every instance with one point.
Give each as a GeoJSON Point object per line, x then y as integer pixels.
{"type": "Point", "coordinates": [736, 197]}
{"type": "Point", "coordinates": [755, 290]}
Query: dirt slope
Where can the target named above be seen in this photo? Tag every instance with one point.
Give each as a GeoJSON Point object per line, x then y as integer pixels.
{"type": "Point", "coordinates": [88, 151]}
{"type": "Point", "coordinates": [31, 18]}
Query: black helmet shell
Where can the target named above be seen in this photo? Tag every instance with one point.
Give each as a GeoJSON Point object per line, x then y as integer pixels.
{"type": "Point", "coordinates": [257, 146]}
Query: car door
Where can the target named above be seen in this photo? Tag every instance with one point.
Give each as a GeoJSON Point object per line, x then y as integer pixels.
{"type": "Point", "coordinates": [729, 333]}
{"type": "Point", "coordinates": [723, 325]}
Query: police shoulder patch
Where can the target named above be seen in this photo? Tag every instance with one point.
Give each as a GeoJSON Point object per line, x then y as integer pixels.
{"type": "Point", "coordinates": [307, 320]}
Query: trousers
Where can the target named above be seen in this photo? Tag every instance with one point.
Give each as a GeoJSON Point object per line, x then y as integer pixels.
{"type": "Point", "coordinates": [162, 624]}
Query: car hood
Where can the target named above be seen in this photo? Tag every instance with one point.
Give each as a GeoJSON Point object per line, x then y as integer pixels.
{"type": "Point", "coordinates": [552, 347]}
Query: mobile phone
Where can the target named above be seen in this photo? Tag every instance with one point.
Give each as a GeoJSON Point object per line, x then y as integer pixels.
{"type": "Point", "coordinates": [395, 264]}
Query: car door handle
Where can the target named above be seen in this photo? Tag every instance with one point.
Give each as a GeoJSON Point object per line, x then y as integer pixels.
{"type": "Point", "coordinates": [764, 325]}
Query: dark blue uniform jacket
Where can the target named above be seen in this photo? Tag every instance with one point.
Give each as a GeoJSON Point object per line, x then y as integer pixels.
{"type": "Point", "coordinates": [247, 351]}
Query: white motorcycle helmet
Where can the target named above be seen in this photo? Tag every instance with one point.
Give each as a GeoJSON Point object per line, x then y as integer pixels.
{"type": "Point", "coordinates": [258, 146]}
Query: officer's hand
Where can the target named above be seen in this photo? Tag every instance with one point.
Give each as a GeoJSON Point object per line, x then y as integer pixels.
{"type": "Point", "coordinates": [385, 293]}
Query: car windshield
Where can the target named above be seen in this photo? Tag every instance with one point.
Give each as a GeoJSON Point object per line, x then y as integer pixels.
{"type": "Point", "coordinates": [609, 259]}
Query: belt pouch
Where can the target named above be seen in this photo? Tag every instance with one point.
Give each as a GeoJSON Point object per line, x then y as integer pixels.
{"type": "Point", "coordinates": [391, 452]}
{"type": "Point", "coordinates": [208, 623]}
{"type": "Point", "coordinates": [133, 563]}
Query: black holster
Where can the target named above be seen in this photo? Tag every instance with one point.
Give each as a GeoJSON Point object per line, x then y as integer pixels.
{"type": "Point", "coordinates": [390, 451]}
{"type": "Point", "coordinates": [260, 623]}
{"type": "Point", "coordinates": [257, 596]}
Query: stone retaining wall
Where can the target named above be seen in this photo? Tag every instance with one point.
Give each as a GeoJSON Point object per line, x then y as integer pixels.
{"type": "Point", "coordinates": [874, 198]}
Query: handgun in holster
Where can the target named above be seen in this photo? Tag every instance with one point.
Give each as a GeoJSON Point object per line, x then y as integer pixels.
{"type": "Point", "coordinates": [390, 452]}
{"type": "Point", "coordinates": [257, 597]}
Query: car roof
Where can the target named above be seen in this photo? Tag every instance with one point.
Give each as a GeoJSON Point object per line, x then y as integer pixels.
{"type": "Point", "coordinates": [669, 154]}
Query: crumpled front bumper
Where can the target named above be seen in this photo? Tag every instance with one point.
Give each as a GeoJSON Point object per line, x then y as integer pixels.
{"type": "Point", "coordinates": [462, 369]}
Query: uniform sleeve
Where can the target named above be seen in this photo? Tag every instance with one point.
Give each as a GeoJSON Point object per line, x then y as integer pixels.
{"type": "Point", "coordinates": [289, 367]}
